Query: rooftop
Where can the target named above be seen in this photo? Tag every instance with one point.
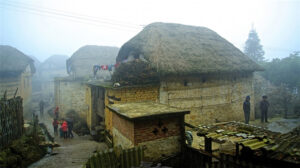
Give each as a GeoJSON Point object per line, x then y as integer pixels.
{"type": "Point", "coordinates": [108, 84]}
{"type": "Point", "coordinates": [144, 110]}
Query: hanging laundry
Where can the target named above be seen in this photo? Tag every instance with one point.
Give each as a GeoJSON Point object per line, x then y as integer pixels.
{"type": "Point", "coordinates": [117, 64]}
{"type": "Point", "coordinates": [104, 67]}
{"type": "Point", "coordinates": [110, 67]}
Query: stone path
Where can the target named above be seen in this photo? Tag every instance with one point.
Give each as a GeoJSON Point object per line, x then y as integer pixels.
{"type": "Point", "coordinates": [72, 153]}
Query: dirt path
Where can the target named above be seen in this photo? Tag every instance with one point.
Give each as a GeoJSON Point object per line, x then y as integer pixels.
{"type": "Point", "coordinates": [71, 153]}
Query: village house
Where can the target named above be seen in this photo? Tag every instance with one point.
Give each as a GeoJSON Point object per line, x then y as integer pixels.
{"type": "Point", "coordinates": [197, 70]}
{"type": "Point", "coordinates": [172, 66]}
{"type": "Point", "coordinates": [54, 66]}
{"type": "Point", "coordinates": [16, 70]}
{"type": "Point", "coordinates": [69, 92]}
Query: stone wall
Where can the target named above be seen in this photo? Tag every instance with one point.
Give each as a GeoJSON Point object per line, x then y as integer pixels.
{"type": "Point", "coordinates": [120, 139]}
{"type": "Point", "coordinates": [213, 98]}
{"type": "Point", "coordinates": [70, 95]}
{"type": "Point", "coordinates": [160, 148]}
{"type": "Point", "coordinates": [127, 94]}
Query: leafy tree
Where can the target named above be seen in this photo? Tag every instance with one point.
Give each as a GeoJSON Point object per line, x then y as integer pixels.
{"type": "Point", "coordinates": [253, 48]}
{"type": "Point", "coordinates": [284, 71]}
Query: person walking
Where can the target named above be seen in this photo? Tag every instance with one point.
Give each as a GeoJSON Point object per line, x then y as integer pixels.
{"type": "Point", "coordinates": [70, 127]}
{"type": "Point", "coordinates": [56, 113]}
{"type": "Point", "coordinates": [264, 106]}
{"type": "Point", "coordinates": [42, 108]}
{"type": "Point", "coordinates": [64, 128]}
{"type": "Point", "coordinates": [55, 126]}
{"type": "Point", "coordinates": [246, 108]}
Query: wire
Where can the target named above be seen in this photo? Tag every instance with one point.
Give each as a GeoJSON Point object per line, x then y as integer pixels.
{"type": "Point", "coordinates": [71, 13]}
{"type": "Point", "coordinates": [70, 17]}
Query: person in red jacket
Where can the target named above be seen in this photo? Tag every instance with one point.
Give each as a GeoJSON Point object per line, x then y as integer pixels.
{"type": "Point", "coordinates": [64, 128]}
{"type": "Point", "coordinates": [55, 126]}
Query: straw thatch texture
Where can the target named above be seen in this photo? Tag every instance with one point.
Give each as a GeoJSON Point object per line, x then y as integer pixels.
{"type": "Point", "coordinates": [135, 73]}
{"type": "Point", "coordinates": [13, 61]}
{"type": "Point", "coordinates": [82, 61]}
{"type": "Point", "coordinates": [180, 49]}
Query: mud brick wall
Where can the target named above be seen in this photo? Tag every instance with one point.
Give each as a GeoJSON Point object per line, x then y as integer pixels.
{"type": "Point", "coordinates": [123, 131]}
{"type": "Point", "coordinates": [129, 94]}
{"type": "Point", "coordinates": [124, 126]}
{"type": "Point", "coordinates": [70, 95]}
{"type": "Point", "coordinates": [161, 136]}
{"type": "Point", "coordinates": [213, 98]}
{"type": "Point", "coordinates": [149, 130]}
{"type": "Point", "coordinates": [23, 82]}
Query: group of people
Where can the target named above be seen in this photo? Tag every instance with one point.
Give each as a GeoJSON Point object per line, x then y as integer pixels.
{"type": "Point", "coordinates": [66, 126]}
{"type": "Point", "coordinates": [264, 106]}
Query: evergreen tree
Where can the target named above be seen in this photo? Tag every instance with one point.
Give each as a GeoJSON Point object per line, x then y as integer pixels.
{"type": "Point", "coordinates": [253, 48]}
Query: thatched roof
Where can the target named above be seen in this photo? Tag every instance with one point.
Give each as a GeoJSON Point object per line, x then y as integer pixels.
{"type": "Point", "coordinates": [54, 62]}
{"type": "Point", "coordinates": [84, 58]}
{"type": "Point", "coordinates": [13, 61]}
{"type": "Point", "coordinates": [181, 49]}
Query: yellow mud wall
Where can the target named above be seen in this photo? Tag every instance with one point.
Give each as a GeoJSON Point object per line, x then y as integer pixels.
{"type": "Point", "coordinates": [130, 94]}
{"type": "Point", "coordinates": [211, 98]}
{"type": "Point", "coordinates": [88, 101]}
{"type": "Point", "coordinates": [22, 82]}
{"type": "Point", "coordinates": [71, 95]}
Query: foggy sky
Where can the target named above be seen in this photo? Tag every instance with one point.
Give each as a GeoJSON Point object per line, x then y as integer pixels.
{"type": "Point", "coordinates": [45, 27]}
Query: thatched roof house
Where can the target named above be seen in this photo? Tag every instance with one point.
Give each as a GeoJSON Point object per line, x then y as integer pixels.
{"type": "Point", "coordinates": [16, 70]}
{"type": "Point", "coordinates": [82, 61]}
{"type": "Point", "coordinates": [195, 67]}
{"type": "Point", "coordinates": [181, 49]}
{"type": "Point", "coordinates": [13, 62]}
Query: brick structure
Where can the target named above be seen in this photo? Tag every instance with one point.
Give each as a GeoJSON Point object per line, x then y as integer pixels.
{"type": "Point", "coordinates": [114, 95]}
{"type": "Point", "coordinates": [158, 127]}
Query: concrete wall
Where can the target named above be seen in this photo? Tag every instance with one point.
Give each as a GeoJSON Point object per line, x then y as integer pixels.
{"type": "Point", "coordinates": [70, 95]}
{"type": "Point", "coordinates": [210, 98]}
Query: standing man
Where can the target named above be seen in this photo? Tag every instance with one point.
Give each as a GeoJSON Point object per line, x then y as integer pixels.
{"type": "Point", "coordinates": [55, 126]}
{"type": "Point", "coordinates": [70, 127]}
{"type": "Point", "coordinates": [56, 113]}
{"type": "Point", "coordinates": [42, 108]}
{"type": "Point", "coordinates": [264, 105]}
{"type": "Point", "coordinates": [246, 108]}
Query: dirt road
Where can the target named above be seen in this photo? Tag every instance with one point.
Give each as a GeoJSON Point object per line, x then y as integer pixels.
{"type": "Point", "coordinates": [72, 153]}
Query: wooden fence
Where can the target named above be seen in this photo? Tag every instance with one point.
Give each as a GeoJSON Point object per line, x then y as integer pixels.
{"type": "Point", "coordinates": [117, 158]}
{"type": "Point", "coordinates": [11, 120]}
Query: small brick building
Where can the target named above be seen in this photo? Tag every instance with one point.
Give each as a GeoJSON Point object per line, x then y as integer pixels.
{"type": "Point", "coordinates": [157, 126]}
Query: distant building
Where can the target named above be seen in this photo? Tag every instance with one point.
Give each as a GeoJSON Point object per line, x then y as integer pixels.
{"type": "Point", "coordinates": [16, 70]}
{"type": "Point", "coordinates": [70, 91]}
{"type": "Point", "coordinates": [54, 66]}
{"type": "Point", "coordinates": [80, 65]}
